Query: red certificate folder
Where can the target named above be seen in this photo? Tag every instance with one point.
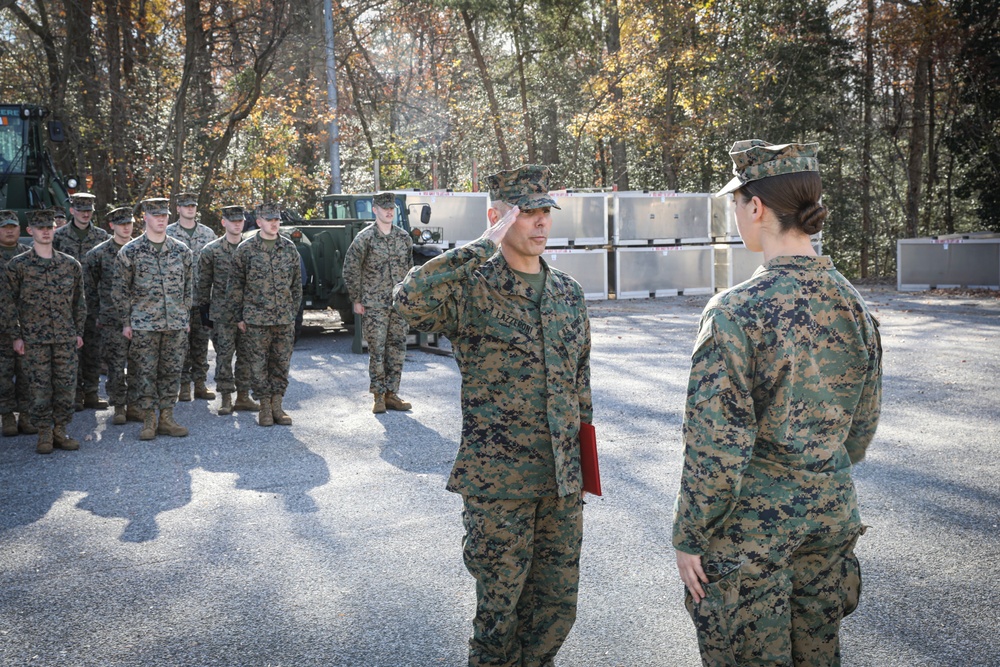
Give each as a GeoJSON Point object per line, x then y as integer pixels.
{"type": "Point", "coordinates": [588, 459]}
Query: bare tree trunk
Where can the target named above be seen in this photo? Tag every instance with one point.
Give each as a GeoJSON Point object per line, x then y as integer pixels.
{"type": "Point", "coordinates": [484, 73]}
{"type": "Point", "coordinates": [619, 155]}
{"type": "Point", "coordinates": [918, 139]}
{"type": "Point", "coordinates": [932, 153]}
{"type": "Point", "coordinates": [516, 19]}
{"type": "Point", "coordinates": [866, 150]}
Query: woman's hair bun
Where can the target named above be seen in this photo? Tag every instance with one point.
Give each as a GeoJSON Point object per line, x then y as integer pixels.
{"type": "Point", "coordinates": [811, 218]}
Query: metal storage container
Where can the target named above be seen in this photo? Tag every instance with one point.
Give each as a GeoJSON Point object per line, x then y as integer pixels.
{"type": "Point", "coordinates": [460, 215]}
{"type": "Point", "coordinates": [588, 267]}
{"type": "Point", "coordinates": [657, 218]}
{"type": "Point", "coordinates": [581, 221]}
{"type": "Point", "coordinates": [664, 271]}
{"type": "Point", "coordinates": [929, 263]}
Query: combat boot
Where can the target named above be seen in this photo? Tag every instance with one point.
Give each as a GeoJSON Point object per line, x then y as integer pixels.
{"type": "Point", "coordinates": [201, 391]}
{"type": "Point", "coordinates": [63, 441]}
{"type": "Point", "coordinates": [78, 401]}
{"type": "Point", "coordinates": [94, 402]}
{"type": "Point", "coordinates": [134, 414]}
{"type": "Point", "coordinates": [226, 408]}
{"type": "Point", "coordinates": [24, 424]}
{"type": "Point", "coordinates": [394, 402]}
{"type": "Point", "coordinates": [185, 392]}
{"type": "Point", "coordinates": [379, 406]}
{"type": "Point", "coordinates": [168, 426]}
{"type": "Point", "coordinates": [265, 417]}
{"type": "Point", "coordinates": [44, 440]}
{"type": "Point", "coordinates": [120, 417]}
{"type": "Point", "coordinates": [244, 403]}
{"type": "Point", "coordinates": [278, 414]}
{"type": "Point", "coordinates": [9, 424]}
{"type": "Point", "coordinates": [148, 431]}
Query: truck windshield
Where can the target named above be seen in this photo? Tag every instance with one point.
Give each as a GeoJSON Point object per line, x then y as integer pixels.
{"type": "Point", "coordinates": [365, 209]}
{"type": "Point", "coordinates": [11, 142]}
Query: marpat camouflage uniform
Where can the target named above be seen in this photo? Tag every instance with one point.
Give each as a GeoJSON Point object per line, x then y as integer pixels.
{"type": "Point", "coordinates": [67, 240]}
{"type": "Point", "coordinates": [375, 263]}
{"type": "Point", "coordinates": [153, 289]}
{"type": "Point", "coordinates": [196, 358]}
{"type": "Point", "coordinates": [214, 275]}
{"type": "Point", "coordinates": [13, 385]}
{"type": "Point", "coordinates": [525, 390]}
{"type": "Point", "coordinates": [99, 267]}
{"type": "Point", "coordinates": [51, 313]}
{"type": "Point", "coordinates": [266, 291]}
{"type": "Point", "coordinates": [784, 396]}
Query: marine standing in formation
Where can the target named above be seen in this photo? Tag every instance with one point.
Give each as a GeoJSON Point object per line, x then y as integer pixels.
{"type": "Point", "coordinates": [46, 288]}
{"type": "Point", "coordinates": [13, 386]}
{"type": "Point", "coordinates": [784, 396]}
{"type": "Point", "coordinates": [153, 288]}
{"type": "Point", "coordinates": [377, 259]}
{"type": "Point", "coordinates": [76, 240]}
{"type": "Point", "coordinates": [195, 236]}
{"type": "Point", "coordinates": [216, 310]}
{"type": "Point", "coordinates": [266, 291]}
{"type": "Point", "coordinates": [99, 268]}
{"type": "Point", "coordinates": [521, 338]}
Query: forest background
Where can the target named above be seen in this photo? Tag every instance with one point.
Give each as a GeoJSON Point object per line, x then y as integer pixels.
{"type": "Point", "coordinates": [230, 97]}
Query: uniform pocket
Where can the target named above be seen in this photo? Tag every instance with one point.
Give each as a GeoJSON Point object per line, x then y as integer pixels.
{"type": "Point", "coordinates": [715, 616]}
{"type": "Point", "coordinates": [851, 573]}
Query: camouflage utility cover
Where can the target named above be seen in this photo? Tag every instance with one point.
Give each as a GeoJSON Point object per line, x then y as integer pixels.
{"type": "Point", "coordinates": [784, 395]}
{"type": "Point", "coordinates": [215, 268]}
{"type": "Point", "coordinates": [266, 283]}
{"type": "Point", "coordinates": [153, 287]}
{"type": "Point", "coordinates": [385, 200]}
{"type": "Point", "coordinates": [82, 201]}
{"type": "Point", "coordinates": [187, 198]}
{"type": "Point", "coordinates": [99, 268]}
{"type": "Point", "coordinates": [526, 187]}
{"type": "Point", "coordinates": [233, 213]}
{"type": "Point", "coordinates": [47, 296]}
{"type": "Point", "coordinates": [121, 215]}
{"type": "Point", "coordinates": [525, 369]}
{"type": "Point", "coordinates": [155, 206]}
{"type": "Point", "coordinates": [268, 211]}
{"type": "Point", "coordinates": [754, 159]}
{"type": "Point", "coordinates": [42, 218]}
{"type": "Point", "coordinates": [8, 217]}
{"type": "Point", "coordinates": [375, 263]}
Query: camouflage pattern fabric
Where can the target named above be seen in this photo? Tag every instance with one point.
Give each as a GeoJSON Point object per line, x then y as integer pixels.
{"type": "Point", "coordinates": [526, 187]}
{"type": "Point", "coordinates": [50, 370]}
{"type": "Point", "coordinates": [65, 240]}
{"type": "Point", "coordinates": [525, 383]}
{"type": "Point", "coordinates": [154, 363]}
{"type": "Point", "coordinates": [375, 263]}
{"type": "Point", "coordinates": [114, 354]}
{"type": "Point", "coordinates": [266, 284]}
{"type": "Point", "coordinates": [385, 331]}
{"type": "Point", "coordinates": [384, 200]}
{"type": "Point", "coordinates": [196, 360]}
{"type": "Point", "coordinates": [13, 386]}
{"type": "Point", "coordinates": [153, 287]}
{"type": "Point", "coordinates": [269, 350]}
{"type": "Point", "coordinates": [525, 558]}
{"type": "Point", "coordinates": [229, 341]}
{"type": "Point", "coordinates": [784, 396]}
{"type": "Point", "coordinates": [754, 159]}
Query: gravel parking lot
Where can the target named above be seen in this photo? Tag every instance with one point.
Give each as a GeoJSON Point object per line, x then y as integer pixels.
{"type": "Point", "coordinates": [333, 542]}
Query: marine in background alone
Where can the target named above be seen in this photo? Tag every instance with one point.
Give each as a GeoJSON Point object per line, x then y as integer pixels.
{"type": "Point", "coordinates": [46, 288]}
{"type": "Point", "coordinates": [195, 236]}
{"type": "Point", "coordinates": [76, 240]}
{"type": "Point", "coordinates": [376, 261]}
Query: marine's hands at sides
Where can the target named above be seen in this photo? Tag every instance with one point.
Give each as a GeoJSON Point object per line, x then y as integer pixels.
{"type": "Point", "coordinates": [692, 574]}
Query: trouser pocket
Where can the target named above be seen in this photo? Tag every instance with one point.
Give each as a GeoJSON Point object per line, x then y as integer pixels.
{"type": "Point", "coordinates": [851, 587]}
{"type": "Point", "coordinates": [714, 617]}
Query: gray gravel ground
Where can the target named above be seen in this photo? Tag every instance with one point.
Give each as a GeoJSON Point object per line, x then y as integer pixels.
{"type": "Point", "coordinates": [334, 543]}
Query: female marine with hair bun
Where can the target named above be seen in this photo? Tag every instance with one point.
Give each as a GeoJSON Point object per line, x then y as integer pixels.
{"type": "Point", "coordinates": [783, 398]}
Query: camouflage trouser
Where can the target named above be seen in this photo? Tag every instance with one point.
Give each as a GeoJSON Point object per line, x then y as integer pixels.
{"type": "Point", "coordinates": [229, 341]}
{"type": "Point", "coordinates": [270, 352]}
{"type": "Point", "coordinates": [114, 354]}
{"type": "Point", "coordinates": [196, 355]}
{"type": "Point", "coordinates": [13, 386]}
{"type": "Point", "coordinates": [776, 600]}
{"type": "Point", "coordinates": [154, 364]}
{"type": "Point", "coordinates": [525, 557]}
{"type": "Point", "coordinates": [51, 374]}
{"type": "Point", "coordinates": [89, 376]}
{"type": "Point", "coordinates": [385, 332]}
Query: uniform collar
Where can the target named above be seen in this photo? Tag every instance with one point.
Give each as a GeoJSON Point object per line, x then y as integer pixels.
{"type": "Point", "coordinates": [800, 263]}
{"type": "Point", "coordinates": [510, 282]}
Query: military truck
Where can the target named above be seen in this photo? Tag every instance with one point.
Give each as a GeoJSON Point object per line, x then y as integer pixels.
{"type": "Point", "coordinates": [28, 177]}
{"type": "Point", "coordinates": [323, 243]}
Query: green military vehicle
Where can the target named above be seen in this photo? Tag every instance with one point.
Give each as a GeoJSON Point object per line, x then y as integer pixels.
{"type": "Point", "coordinates": [28, 177]}
{"type": "Point", "coordinates": [323, 244]}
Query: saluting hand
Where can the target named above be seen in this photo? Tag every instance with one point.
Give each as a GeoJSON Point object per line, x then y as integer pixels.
{"type": "Point", "coordinates": [496, 231]}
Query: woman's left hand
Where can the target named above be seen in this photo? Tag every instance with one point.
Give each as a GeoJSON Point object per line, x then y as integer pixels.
{"type": "Point", "coordinates": [692, 574]}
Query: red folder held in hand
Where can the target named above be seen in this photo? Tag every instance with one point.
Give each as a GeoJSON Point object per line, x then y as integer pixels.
{"type": "Point", "coordinates": [588, 459]}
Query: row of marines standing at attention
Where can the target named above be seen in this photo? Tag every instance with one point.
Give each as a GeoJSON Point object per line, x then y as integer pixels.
{"type": "Point", "coordinates": [144, 308]}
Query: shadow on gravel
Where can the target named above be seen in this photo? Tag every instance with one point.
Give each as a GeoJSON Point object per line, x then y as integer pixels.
{"type": "Point", "coordinates": [413, 447]}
